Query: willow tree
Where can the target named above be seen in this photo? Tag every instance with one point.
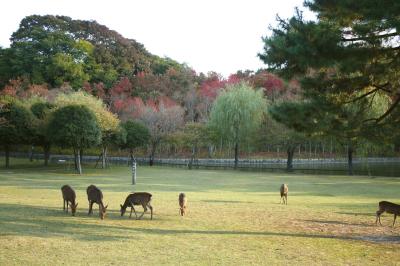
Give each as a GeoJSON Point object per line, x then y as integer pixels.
{"type": "Point", "coordinates": [236, 113]}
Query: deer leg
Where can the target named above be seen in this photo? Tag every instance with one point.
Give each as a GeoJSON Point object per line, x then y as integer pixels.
{"type": "Point", "coordinates": [90, 207]}
{"type": "Point", "coordinates": [395, 216]}
{"type": "Point", "coordinates": [64, 205]}
{"type": "Point", "coordinates": [67, 206]}
{"type": "Point", "coordinates": [130, 215]}
{"type": "Point", "coordinates": [134, 211]}
{"type": "Point", "coordinates": [378, 217]}
{"type": "Point", "coordinates": [151, 211]}
{"type": "Point", "coordinates": [286, 199]}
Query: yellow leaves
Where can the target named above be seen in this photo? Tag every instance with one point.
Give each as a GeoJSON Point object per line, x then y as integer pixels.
{"type": "Point", "coordinates": [106, 120]}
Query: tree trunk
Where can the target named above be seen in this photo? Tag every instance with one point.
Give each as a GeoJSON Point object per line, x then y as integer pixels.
{"type": "Point", "coordinates": [290, 154]}
{"type": "Point", "coordinates": [350, 159]}
{"type": "Point", "coordinates": [79, 162]}
{"type": "Point", "coordinates": [81, 155]}
{"type": "Point", "coordinates": [7, 150]}
{"type": "Point", "coordinates": [190, 165]}
{"type": "Point", "coordinates": [31, 153]}
{"type": "Point", "coordinates": [46, 149]}
{"type": "Point", "coordinates": [152, 153]}
{"type": "Point", "coordinates": [104, 157]}
{"type": "Point", "coordinates": [75, 159]}
{"type": "Point", "coordinates": [236, 155]}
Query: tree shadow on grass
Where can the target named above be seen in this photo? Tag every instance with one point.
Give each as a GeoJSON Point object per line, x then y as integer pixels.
{"type": "Point", "coordinates": [226, 201]}
{"type": "Point", "coordinates": [339, 223]}
{"type": "Point", "coordinates": [25, 220]}
{"type": "Point", "coordinates": [357, 213]}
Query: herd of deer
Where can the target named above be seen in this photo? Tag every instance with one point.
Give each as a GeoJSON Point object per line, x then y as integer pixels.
{"type": "Point", "coordinates": [95, 195]}
{"type": "Point", "coordinates": [144, 198]}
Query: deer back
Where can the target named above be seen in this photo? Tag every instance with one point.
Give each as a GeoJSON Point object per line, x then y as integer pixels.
{"type": "Point", "coordinates": [389, 207]}
{"type": "Point", "coordinates": [139, 198]}
{"type": "Point", "coordinates": [284, 189]}
{"type": "Point", "coordinates": [68, 193]}
{"type": "Point", "coordinates": [94, 194]}
{"type": "Point", "coordinates": [182, 199]}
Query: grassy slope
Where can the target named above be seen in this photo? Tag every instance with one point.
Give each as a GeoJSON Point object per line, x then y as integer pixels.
{"type": "Point", "coordinates": [233, 218]}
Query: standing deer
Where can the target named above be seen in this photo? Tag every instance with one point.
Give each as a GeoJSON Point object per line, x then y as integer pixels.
{"type": "Point", "coordinates": [284, 192]}
{"type": "Point", "coordinates": [182, 203]}
{"type": "Point", "coordinates": [96, 196]}
{"type": "Point", "coordinates": [69, 197]}
{"type": "Point", "coordinates": [389, 207]}
{"type": "Point", "coordinates": [137, 198]}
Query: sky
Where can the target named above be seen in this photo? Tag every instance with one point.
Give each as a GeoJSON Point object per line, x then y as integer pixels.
{"type": "Point", "coordinates": [208, 35]}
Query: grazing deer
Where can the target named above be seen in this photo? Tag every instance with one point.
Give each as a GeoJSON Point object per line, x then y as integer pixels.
{"type": "Point", "coordinates": [69, 197]}
{"type": "Point", "coordinates": [284, 191]}
{"type": "Point", "coordinates": [389, 207]}
{"type": "Point", "coordinates": [182, 203]}
{"type": "Point", "coordinates": [96, 196]}
{"type": "Point", "coordinates": [137, 198]}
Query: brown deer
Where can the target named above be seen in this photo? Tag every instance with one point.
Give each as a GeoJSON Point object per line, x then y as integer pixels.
{"type": "Point", "coordinates": [182, 204]}
{"type": "Point", "coordinates": [389, 207]}
{"type": "Point", "coordinates": [137, 198]}
{"type": "Point", "coordinates": [69, 197]}
{"type": "Point", "coordinates": [284, 192]}
{"type": "Point", "coordinates": [96, 196]}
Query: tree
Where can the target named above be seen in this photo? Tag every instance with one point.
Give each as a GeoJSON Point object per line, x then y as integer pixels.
{"type": "Point", "coordinates": [193, 136]}
{"type": "Point", "coordinates": [74, 126]}
{"type": "Point", "coordinates": [236, 113]}
{"type": "Point", "coordinates": [349, 53]}
{"type": "Point", "coordinates": [161, 120]}
{"type": "Point", "coordinates": [17, 125]}
{"type": "Point", "coordinates": [137, 135]}
{"type": "Point", "coordinates": [42, 111]}
{"type": "Point", "coordinates": [107, 121]}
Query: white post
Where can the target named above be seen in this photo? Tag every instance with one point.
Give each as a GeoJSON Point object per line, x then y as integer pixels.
{"type": "Point", "coordinates": [133, 172]}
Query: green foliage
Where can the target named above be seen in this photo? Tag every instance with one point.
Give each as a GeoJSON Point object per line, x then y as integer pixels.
{"type": "Point", "coordinates": [237, 112]}
{"type": "Point", "coordinates": [107, 121]}
{"type": "Point", "coordinates": [19, 122]}
{"type": "Point", "coordinates": [137, 135]}
{"type": "Point", "coordinates": [74, 126]}
{"type": "Point", "coordinates": [346, 62]}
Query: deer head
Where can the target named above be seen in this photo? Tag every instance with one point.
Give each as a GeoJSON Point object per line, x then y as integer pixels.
{"type": "Point", "coordinates": [122, 210]}
{"type": "Point", "coordinates": [103, 211]}
{"type": "Point", "coordinates": [73, 208]}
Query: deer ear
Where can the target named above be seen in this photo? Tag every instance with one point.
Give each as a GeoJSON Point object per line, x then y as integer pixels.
{"type": "Point", "coordinates": [120, 205]}
{"type": "Point", "coordinates": [76, 205]}
{"type": "Point", "coordinates": [106, 206]}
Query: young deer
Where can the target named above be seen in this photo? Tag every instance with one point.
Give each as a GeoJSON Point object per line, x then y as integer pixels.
{"type": "Point", "coordinates": [182, 203]}
{"type": "Point", "coordinates": [96, 196]}
{"type": "Point", "coordinates": [69, 197]}
{"type": "Point", "coordinates": [137, 198]}
{"type": "Point", "coordinates": [389, 207]}
{"type": "Point", "coordinates": [284, 192]}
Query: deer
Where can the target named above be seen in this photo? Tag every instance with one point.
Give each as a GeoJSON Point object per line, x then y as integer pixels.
{"type": "Point", "coordinates": [389, 207]}
{"type": "Point", "coordinates": [69, 198]}
{"type": "Point", "coordinates": [137, 198]}
{"type": "Point", "coordinates": [284, 192]}
{"type": "Point", "coordinates": [182, 204]}
{"type": "Point", "coordinates": [96, 196]}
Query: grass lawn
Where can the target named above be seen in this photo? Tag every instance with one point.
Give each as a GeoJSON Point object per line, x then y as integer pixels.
{"type": "Point", "coordinates": [233, 218]}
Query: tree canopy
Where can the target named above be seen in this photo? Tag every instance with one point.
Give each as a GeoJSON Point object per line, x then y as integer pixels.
{"type": "Point", "coordinates": [237, 112]}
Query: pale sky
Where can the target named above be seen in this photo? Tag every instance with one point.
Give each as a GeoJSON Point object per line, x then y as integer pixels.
{"type": "Point", "coordinates": [208, 35]}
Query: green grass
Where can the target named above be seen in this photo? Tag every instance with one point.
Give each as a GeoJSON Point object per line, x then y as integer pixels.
{"type": "Point", "coordinates": [233, 218]}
